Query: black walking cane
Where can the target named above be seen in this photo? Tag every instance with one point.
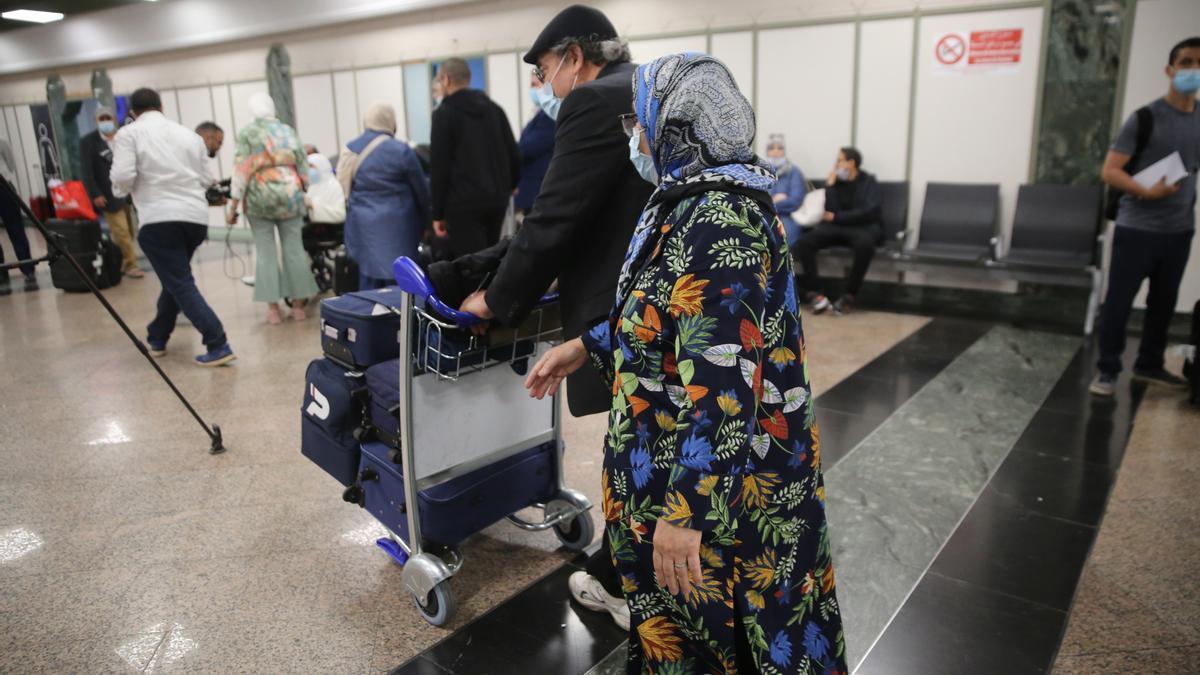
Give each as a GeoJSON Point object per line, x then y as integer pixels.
{"type": "Point", "coordinates": [56, 251]}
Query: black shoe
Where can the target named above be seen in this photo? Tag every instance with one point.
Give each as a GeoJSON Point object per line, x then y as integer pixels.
{"type": "Point", "coordinates": [1159, 376]}
{"type": "Point", "coordinates": [31, 283]}
{"type": "Point", "coordinates": [843, 305]}
{"type": "Point", "coordinates": [5, 284]}
{"type": "Point", "coordinates": [1105, 384]}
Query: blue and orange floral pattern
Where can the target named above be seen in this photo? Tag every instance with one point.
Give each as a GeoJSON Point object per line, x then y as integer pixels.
{"type": "Point", "coordinates": [712, 428]}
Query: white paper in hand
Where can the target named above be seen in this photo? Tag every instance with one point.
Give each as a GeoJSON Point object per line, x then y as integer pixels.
{"type": "Point", "coordinates": [1170, 168]}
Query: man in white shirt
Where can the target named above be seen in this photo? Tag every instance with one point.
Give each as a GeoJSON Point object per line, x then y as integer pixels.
{"type": "Point", "coordinates": [10, 213]}
{"type": "Point", "coordinates": [163, 166]}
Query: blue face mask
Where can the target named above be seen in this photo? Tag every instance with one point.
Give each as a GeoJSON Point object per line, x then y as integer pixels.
{"type": "Point", "coordinates": [107, 127]}
{"type": "Point", "coordinates": [643, 164]}
{"type": "Point", "coordinates": [533, 96]}
{"type": "Point", "coordinates": [1187, 81]}
{"type": "Point", "coordinates": [313, 176]}
{"type": "Point", "coordinates": [544, 96]}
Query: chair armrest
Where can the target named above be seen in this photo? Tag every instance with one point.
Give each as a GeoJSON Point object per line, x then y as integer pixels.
{"type": "Point", "coordinates": [995, 242]}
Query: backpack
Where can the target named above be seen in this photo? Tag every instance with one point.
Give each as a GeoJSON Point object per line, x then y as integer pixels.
{"type": "Point", "coordinates": [349, 161]}
{"type": "Point", "coordinates": [1145, 127]}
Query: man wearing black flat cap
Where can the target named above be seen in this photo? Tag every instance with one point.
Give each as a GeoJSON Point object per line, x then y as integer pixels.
{"type": "Point", "coordinates": [582, 220]}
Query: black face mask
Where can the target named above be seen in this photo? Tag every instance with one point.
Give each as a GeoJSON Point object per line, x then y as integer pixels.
{"type": "Point", "coordinates": [212, 154]}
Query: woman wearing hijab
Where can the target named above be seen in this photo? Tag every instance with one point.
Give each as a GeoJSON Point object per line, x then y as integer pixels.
{"type": "Point", "coordinates": [713, 493]}
{"type": "Point", "coordinates": [789, 189]}
{"type": "Point", "coordinates": [270, 174]}
{"type": "Point", "coordinates": [389, 206]}
{"type": "Point", "coordinates": [326, 201]}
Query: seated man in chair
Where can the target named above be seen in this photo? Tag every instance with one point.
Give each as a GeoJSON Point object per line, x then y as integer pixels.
{"type": "Point", "coordinates": [853, 206]}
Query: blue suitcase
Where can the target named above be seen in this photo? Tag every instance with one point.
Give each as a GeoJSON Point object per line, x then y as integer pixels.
{"type": "Point", "coordinates": [359, 329]}
{"type": "Point", "coordinates": [454, 510]}
{"type": "Point", "coordinates": [383, 386]}
{"type": "Point", "coordinates": [331, 425]}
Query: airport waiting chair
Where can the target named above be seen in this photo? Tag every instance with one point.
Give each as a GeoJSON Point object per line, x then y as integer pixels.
{"type": "Point", "coordinates": [894, 218]}
{"type": "Point", "coordinates": [1055, 226]}
{"type": "Point", "coordinates": [1056, 240]}
{"type": "Point", "coordinates": [958, 223]}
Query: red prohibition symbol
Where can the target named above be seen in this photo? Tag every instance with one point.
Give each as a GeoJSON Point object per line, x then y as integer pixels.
{"type": "Point", "coordinates": [950, 49]}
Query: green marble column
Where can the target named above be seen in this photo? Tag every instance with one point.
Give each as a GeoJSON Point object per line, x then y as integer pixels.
{"type": "Point", "coordinates": [1082, 68]}
{"type": "Point", "coordinates": [279, 83]}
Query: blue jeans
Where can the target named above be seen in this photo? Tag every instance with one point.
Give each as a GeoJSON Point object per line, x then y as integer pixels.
{"type": "Point", "coordinates": [169, 247]}
{"type": "Point", "coordinates": [10, 213]}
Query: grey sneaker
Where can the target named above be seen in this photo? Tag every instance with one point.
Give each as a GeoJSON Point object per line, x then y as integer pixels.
{"type": "Point", "coordinates": [1160, 376]}
{"type": "Point", "coordinates": [844, 305]}
{"type": "Point", "coordinates": [819, 303]}
{"type": "Point", "coordinates": [1105, 384]}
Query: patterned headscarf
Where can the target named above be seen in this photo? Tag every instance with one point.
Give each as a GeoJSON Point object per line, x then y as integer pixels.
{"type": "Point", "coordinates": [700, 129]}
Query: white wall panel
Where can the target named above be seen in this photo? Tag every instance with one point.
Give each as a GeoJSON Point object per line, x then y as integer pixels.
{"type": "Point", "coordinates": [170, 104]}
{"type": "Point", "coordinates": [195, 106]}
{"type": "Point", "coordinates": [736, 51]}
{"type": "Point", "coordinates": [349, 119]}
{"type": "Point", "coordinates": [975, 127]}
{"type": "Point", "coordinates": [505, 86]}
{"type": "Point", "coordinates": [805, 91]}
{"type": "Point", "coordinates": [884, 81]}
{"type": "Point", "coordinates": [384, 84]}
{"type": "Point", "coordinates": [33, 161]}
{"type": "Point", "coordinates": [316, 122]}
{"type": "Point", "coordinates": [239, 98]}
{"type": "Point", "coordinates": [223, 116]}
{"type": "Point", "coordinates": [13, 134]}
{"type": "Point", "coordinates": [528, 109]}
{"type": "Point", "coordinates": [644, 51]}
{"type": "Point", "coordinates": [1158, 25]}
{"type": "Point", "coordinates": [418, 97]}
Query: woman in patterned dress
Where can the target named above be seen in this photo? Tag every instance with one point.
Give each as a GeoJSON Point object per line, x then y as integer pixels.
{"type": "Point", "coordinates": [271, 173]}
{"type": "Point", "coordinates": [713, 494]}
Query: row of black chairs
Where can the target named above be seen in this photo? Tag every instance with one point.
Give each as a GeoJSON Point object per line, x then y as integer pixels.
{"type": "Point", "coordinates": [1056, 234]}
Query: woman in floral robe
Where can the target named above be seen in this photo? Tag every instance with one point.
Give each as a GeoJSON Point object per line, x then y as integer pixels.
{"type": "Point", "coordinates": [713, 493]}
{"type": "Point", "coordinates": [271, 173]}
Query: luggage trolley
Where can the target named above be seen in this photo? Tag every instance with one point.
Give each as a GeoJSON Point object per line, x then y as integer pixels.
{"type": "Point", "coordinates": [464, 413]}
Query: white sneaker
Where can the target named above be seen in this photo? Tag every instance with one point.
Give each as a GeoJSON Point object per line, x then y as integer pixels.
{"type": "Point", "coordinates": [589, 592]}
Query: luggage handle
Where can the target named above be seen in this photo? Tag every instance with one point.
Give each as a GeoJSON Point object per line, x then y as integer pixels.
{"type": "Point", "coordinates": [412, 279]}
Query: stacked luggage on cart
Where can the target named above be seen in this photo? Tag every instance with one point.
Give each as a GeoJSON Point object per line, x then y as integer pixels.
{"type": "Point", "coordinates": [405, 400]}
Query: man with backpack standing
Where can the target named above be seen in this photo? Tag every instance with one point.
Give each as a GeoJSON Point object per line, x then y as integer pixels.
{"type": "Point", "coordinates": [1154, 225]}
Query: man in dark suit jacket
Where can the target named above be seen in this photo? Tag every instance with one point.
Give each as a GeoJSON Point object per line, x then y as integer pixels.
{"type": "Point", "coordinates": [590, 201]}
{"type": "Point", "coordinates": [475, 163]}
{"type": "Point", "coordinates": [581, 221]}
{"type": "Point", "coordinates": [95, 151]}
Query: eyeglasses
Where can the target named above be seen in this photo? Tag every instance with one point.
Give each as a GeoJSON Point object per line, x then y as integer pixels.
{"type": "Point", "coordinates": [629, 124]}
{"type": "Point", "coordinates": [539, 73]}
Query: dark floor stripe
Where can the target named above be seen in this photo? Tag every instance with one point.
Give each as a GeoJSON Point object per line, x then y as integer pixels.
{"type": "Point", "coordinates": [539, 630]}
{"type": "Point", "coordinates": [998, 596]}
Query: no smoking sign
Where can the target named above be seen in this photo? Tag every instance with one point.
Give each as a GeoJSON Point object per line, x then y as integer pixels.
{"type": "Point", "coordinates": [950, 49]}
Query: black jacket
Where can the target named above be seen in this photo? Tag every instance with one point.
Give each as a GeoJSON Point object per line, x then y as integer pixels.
{"type": "Point", "coordinates": [475, 159]}
{"type": "Point", "coordinates": [97, 161]}
{"type": "Point", "coordinates": [580, 224]}
{"type": "Point", "coordinates": [855, 203]}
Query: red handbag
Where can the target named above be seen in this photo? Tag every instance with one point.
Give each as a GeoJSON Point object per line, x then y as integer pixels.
{"type": "Point", "coordinates": [71, 201]}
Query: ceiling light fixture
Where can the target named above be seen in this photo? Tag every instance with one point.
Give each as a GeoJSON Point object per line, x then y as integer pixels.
{"type": "Point", "coordinates": [32, 16]}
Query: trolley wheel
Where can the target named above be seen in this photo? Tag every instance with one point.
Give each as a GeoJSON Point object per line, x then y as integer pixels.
{"type": "Point", "coordinates": [439, 604]}
{"type": "Point", "coordinates": [577, 533]}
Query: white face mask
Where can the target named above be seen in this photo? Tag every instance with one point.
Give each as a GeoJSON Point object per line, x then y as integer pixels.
{"type": "Point", "coordinates": [843, 174]}
{"type": "Point", "coordinates": [643, 164]}
{"type": "Point", "coordinates": [545, 98]}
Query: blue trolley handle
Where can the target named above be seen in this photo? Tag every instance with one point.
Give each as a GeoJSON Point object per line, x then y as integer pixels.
{"type": "Point", "coordinates": [413, 280]}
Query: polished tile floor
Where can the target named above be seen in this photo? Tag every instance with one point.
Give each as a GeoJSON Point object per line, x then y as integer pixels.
{"type": "Point", "coordinates": [125, 547]}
